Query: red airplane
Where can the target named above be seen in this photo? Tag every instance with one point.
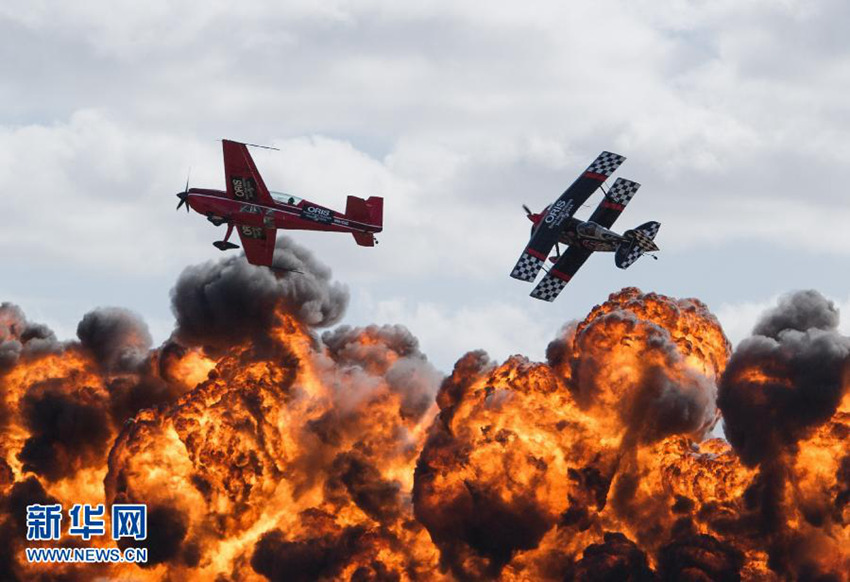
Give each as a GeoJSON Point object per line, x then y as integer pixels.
{"type": "Point", "coordinates": [257, 213]}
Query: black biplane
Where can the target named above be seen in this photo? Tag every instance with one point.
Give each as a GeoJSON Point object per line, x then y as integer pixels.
{"type": "Point", "coordinates": [556, 224]}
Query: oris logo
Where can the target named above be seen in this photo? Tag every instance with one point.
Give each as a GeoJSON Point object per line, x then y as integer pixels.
{"type": "Point", "coordinates": [321, 211]}
{"type": "Point", "coordinates": [243, 188]}
{"type": "Point", "coordinates": [558, 212]}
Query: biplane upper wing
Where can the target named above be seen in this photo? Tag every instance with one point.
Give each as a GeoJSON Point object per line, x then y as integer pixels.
{"type": "Point", "coordinates": [244, 182]}
{"type": "Point", "coordinates": [615, 201]}
{"type": "Point", "coordinates": [561, 273]}
{"type": "Point", "coordinates": [258, 243]}
{"type": "Point", "coordinates": [546, 235]}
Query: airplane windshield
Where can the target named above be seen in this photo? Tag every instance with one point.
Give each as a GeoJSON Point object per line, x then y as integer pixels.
{"type": "Point", "coordinates": [588, 229]}
{"type": "Point", "coordinates": [285, 198]}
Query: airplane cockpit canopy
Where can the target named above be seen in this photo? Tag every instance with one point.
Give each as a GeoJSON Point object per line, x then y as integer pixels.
{"type": "Point", "coordinates": [589, 229]}
{"type": "Point", "coordinates": [285, 198]}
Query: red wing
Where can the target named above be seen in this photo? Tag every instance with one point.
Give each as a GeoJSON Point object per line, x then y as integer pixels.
{"type": "Point", "coordinates": [244, 182]}
{"type": "Point", "coordinates": [258, 243]}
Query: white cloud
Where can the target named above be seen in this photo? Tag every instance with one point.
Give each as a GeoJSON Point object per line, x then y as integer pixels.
{"type": "Point", "coordinates": [446, 333]}
{"type": "Point", "coordinates": [88, 192]}
{"type": "Point", "coordinates": [739, 319]}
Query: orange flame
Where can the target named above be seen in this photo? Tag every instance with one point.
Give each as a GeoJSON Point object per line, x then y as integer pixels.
{"type": "Point", "coordinates": [287, 460]}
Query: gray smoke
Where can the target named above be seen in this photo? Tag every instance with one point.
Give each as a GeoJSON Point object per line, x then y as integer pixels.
{"type": "Point", "coordinates": [19, 337]}
{"type": "Point", "coordinates": [345, 347]}
{"type": "Point", "coordinates": [118, 338]}
{"type": "Point", "coordinates": [799, 311]}
{"type": "Point", "coordinates": [388, 351]}
{"type": "Point", "coordinates": [219, 303]}
{"type": "Point", "coordinates": [803, 386]}
{"type": "Point", "coordinates": [802, 357]}
{"type": "Point", "coordinates": [780, 385]}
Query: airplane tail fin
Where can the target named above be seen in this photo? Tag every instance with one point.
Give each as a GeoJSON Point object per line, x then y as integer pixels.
{"type": "Point", "coordinates": [637, 241]}
{"type": "Point", "coordinates": [369, 212]}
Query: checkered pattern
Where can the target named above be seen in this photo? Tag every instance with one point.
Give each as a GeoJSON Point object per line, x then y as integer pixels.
{"type": "Point", "coordinates": [527, 267]}
{"type": "Point", "coordinates": [627, 259]}
{"type": "Point", "coordinates": [606, 164]}
{"type": "Point", "coordinates": [622, 191]}
{"type": "Point", "coordinates": [548, 288]}
{"type": "Point", "coordinates": [651, 229]}
{"type": "Point", "coordinates": [644, 242]}
{"type": "Point", "coordinates": [641, 243]}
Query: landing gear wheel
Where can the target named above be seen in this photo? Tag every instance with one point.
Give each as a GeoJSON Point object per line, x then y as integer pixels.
{"type": "Point", "coordinates": [224, 245]}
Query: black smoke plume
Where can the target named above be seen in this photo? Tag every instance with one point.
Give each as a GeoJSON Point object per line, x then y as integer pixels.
{"type": "Point", "coordinates": [19, 337]}
{"type": "Point", "coordinates": [786, 379]}
{"type": "Point", "coordinates": [220, 303]}
{"type": "Point", "coordinates": [783, 384]}
{"type": "Point", "coordinates": [118, 338]}
{"type": "Point", "coordinates": [800, 311]}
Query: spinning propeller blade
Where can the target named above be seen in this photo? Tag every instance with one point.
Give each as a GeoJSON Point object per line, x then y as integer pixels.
{"type": "Point", "coordinates": [184, 195]}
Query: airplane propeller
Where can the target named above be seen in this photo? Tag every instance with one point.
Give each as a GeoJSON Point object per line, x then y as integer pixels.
{"type": "Point", "coordinates": [527, 210]}
{"type": "Point", "coordinates": [184, 195]}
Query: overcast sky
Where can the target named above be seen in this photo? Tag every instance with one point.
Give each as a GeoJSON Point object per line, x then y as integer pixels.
{"type": "Point", "coordinates": [733, 115]}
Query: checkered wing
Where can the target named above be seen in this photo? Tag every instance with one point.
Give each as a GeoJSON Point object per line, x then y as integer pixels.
{"type": "Point", "coordinates": [616, 199]}
{"type": "Point", "coordinates": [527, 267]}
{"type": "Point", "coordinates": [560, 274]}
{"type": "Point", "coordinates": [606, 164]}
{"type": "Point", "coordinates": [555, 218]}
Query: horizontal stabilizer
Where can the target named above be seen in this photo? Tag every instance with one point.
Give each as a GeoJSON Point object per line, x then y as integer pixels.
{"type": "Point", "coordinates": [364, 239]}
{"type": "Point", "coordinates": [638, 241]}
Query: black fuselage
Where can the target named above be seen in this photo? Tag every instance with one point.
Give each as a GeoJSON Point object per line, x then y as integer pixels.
{"type": "Point", "coordinates": [590, 236]}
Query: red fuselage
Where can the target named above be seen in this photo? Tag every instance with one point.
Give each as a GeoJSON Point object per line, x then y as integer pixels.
{"type": "Point", "coordinates": [288, 212]}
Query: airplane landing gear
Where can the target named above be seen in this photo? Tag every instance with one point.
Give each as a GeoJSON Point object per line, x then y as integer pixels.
{"type": "Point", "coordinates": [224, 245]}
{"type": "Point", "coordinates": [216, 220]}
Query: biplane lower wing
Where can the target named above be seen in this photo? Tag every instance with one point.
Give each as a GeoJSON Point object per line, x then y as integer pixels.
{"type": "Point", "coordinates": [528, 265]}
{"type": "Point", "coordinates": [552, 223]}
{"type": "Point", "coordinates": [561, 273]}
{"type": "Point", "coordinates": [258, 243]}
{"type": "Point", "coordinates": [616, 199]}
